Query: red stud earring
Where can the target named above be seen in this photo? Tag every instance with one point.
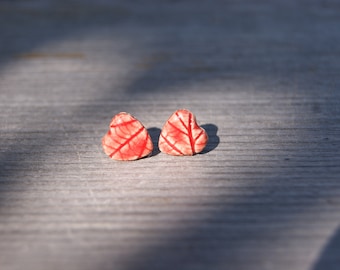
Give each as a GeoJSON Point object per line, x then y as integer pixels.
{"type": "Point", "coordinates": [181, 135]}
{"type": "Point", "coordinates": [127, 138]}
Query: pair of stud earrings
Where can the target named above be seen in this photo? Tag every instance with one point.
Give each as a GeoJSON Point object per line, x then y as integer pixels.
{"type": "Point", "coordinates": [128, 139]}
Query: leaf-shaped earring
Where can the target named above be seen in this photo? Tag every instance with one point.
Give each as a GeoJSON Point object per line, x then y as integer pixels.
{"type": "Point", "coordinates": [181, 135]}
{"type": "Point", "coordinates": [127, 138]}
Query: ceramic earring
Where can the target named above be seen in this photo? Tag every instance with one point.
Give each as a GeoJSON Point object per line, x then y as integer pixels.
{"type": "Point", "coordinates": [181, 135]}
{"type": "Point", "coordinates": [127, 138]}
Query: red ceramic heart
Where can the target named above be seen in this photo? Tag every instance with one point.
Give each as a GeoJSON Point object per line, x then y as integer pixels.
{"type": "Point", "coordinates": [127, 138]}
{"type": "Point", "coordinates": [181, 135]}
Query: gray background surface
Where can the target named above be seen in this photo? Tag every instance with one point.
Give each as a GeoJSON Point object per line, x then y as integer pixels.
{"type": "Point", "coordinates": [261, 76]}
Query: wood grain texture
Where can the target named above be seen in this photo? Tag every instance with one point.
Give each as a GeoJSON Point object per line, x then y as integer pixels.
{"type": "Point", "coordinates": [262, 77]}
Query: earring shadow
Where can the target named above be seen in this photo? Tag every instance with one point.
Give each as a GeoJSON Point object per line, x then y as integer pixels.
{"type": "Point", "coordinates": [154, 134]}
{"type": "Point", "coordinates": [213, 139]}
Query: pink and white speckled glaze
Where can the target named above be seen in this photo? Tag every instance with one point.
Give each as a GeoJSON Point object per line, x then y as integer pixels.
{"type": "Point", "coordinates": [127, 138]}
{"type": "Point", "coordinates": [181, 135]}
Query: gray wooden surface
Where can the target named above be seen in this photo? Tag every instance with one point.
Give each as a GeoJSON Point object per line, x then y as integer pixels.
{"type": "Point", "coordinates": [262, 77]}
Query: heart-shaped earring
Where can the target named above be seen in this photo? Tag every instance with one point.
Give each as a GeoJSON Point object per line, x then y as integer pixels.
{"type": "Point", "coordinates": [181, 135]}
{"type": "Point", "coordinates": [127, 138]}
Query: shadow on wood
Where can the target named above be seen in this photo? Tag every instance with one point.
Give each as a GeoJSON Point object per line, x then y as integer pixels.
{"type": "Point", "coordinates": [154, 134]}
{"type": "Point", "coordinates": [213, 139]}
{"type": "Point", "coordinates": [330, 256]}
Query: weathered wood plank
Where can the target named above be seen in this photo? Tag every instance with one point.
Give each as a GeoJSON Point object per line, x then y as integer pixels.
{"type": "Point", "coordinates": [261, 77]}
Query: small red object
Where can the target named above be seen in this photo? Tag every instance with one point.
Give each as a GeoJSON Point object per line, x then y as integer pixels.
{"type": "Point", "coordinates": [127, 138]}
{"type": "Point", "coordinates": [181, 135]}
